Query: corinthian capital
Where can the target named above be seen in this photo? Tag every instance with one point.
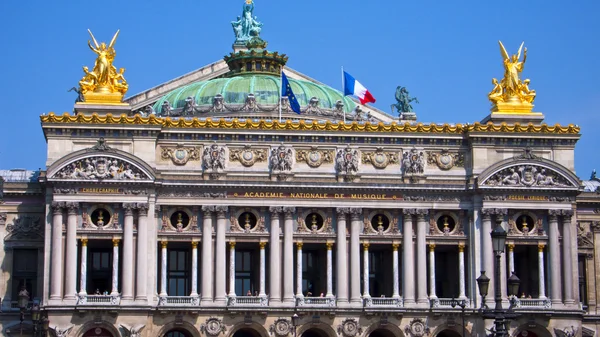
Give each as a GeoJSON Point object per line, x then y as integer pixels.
{"type": "Point", "coordinates": [128, 208]}
{"type": "Point", "coordinates": [72, 207]}
{"type": "Point", "coordinates": [275, 210]}
{"type": "Point", "coordinates": [207, 209]}
{"type": "Point", "coordinates": [566, 213]}
{"type": "Point", "coordinates": [142, 208]}
{"type": "Point", "coordinates": [57, 207]}
{"type": "Point", "coordinates": [553, 214]}
{"type": "Point", "coordinates": [409, 211]}
{"type": "Point", "coordinates": [342, 210]}
{"type": "Point", "coordinates": [421, 212]}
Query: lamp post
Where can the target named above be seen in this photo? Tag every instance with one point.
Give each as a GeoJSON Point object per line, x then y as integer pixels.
{"type": "Point", "coordinates": [22, 302]}
{"type": "Point", "coordinates": [35, 318]}
{"type": "Point", "coordinates": [462, 304]}
{"type": "Point", "coordinates": [45, 325]}
{"type": "Point", "coordinates": [498, 314]}
{"type": "Point", "coordinates": [295, 320]}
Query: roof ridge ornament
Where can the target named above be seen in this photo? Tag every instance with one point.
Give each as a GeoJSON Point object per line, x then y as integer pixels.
{"type": "Point", "coordinates": [101, 146]}
{"type": "Point", "coordinates": [246, 26]}
{"type": "Point", "coordinates": [527, 154]}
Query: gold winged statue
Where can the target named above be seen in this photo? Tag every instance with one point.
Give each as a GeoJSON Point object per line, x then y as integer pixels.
{"type": "Point", "coordinates": [511, 94]}
{"type": "Point", "coordinates": [104, 84]}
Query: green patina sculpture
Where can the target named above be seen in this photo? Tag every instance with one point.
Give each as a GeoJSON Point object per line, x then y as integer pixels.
{"type": "Point", "coordinates": [246, 26]}
{"type": "Point", "coordinates": [403, 100]}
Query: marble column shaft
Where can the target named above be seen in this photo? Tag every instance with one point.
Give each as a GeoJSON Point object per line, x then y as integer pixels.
{"type": "Point", "coordinates": [542, 286]}
{"type": "Point", "coordinates": [141, 287]}
{"type": "Point", "coordinates": [366, 271]}
{"type": "Point", "coordinates": [288, 256]}
{"type": "Point", "coordinates": [432, 271]}
{"type": "Point", "coordinates": [342, 257]}
{"type": "Point", "coordinates": [487, 253]}
{"type": "Point", "coordinates": [511, 258]}
{"type": "Point", "coordinates": [57, 259]}
{"type": "Point", "coordinates": [274, 257]}
{"type": "Point", "coordinates": [83, 268]}
{"type": "Point", "coordinates": [194, 291]}
{"type": "Point", "coordinates": [461, 272]}
{"type": "Point", "coordinates": [71, 251]}
{"type": "Point", "coordinates": [163, 268]}
{"type": "Point", "coordinates": [232, 269]}
{"type": "Point", "coordinates": [115, 268]}
{"type": "Point", "coordinates": [127, 277]}
{"type": "Point", "coordinates": [299, 290]}
{"type": "Point", "coordinates": [263, 270]}
{"type": "Point", "coordinates": [220, 257]}
{"type": "Point", "coordinates": [329, 270]}
{"type": "Point", "coordinates": [207, 256]}
{"type": "Point", "coordinates": [421, 257]}
{"type": "Point", "coordinates": [408, 265]}
{"type": "Point", "coordinates": [555, 261]}
{"type": "Point", "coordinates": [355, 224]}
{"type": "Point", "coordinates": [568, 257]}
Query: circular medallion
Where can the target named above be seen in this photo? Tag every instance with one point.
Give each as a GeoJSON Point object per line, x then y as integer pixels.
{"type": "Point", "coordinates": [380, 160]}
{"type": "Point", "coordinates": [315, 159]}
{"type": "Point", "coordinates": [417, 329]}
{"type": "Point", "coordinates": [281, 327]}
{"type": "Point", "coordinates": [445, 161]}
{"type": "Point", "coordinates": [247, 158]}
{"type": "Point", "coordinates": [350, 328]}
{"type": "Point", "coordinates": [213, 326]}
{"type": "Point", "coordinates": [180, 154]}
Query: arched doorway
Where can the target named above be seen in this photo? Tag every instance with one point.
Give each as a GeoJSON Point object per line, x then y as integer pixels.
{"type": "Point", "coordinates": [448, 333]}
{"type": "Point", "coordinates": [246, 333]}
{"type": "Point", "coordinates": [178, 333]}
{"type": "Point", "coordinates": [381, 333]}
{"type": "Point", "coordinates": [98, 332]}
{"type": "Point", "coordinates": [314, 333]}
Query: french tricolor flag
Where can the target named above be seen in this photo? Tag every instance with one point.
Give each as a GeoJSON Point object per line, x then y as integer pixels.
{"type": "Point", "coordinates": [353, 87]}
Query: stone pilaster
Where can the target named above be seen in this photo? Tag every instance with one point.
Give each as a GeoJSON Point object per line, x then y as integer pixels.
{"type": "Point", "coordinates": [127, 280]}
{"type": "Point", "coordinates": [288, 256]}
{"type": "Point", "coordinates": [355, 229]}
{"type": "Point", "coordinates": [71, 251]}
{"type": "Point", "coordinates": [274, 257]}
{"type": "Point", "coordinates": [207, 255]}
{"type": "Point", "coordinates": [568, 257]}
{"type": "Point", "coordinates": [220, 257]}
{"type": "Point", "coordinates": [554, 247]}
{"type": "Point", "coordinates": [408, 265]}
{"type": "Point", "coordinates": [56, 274]}
{"type": "Point", "coordinates": [342, 257]}
{"type": "Point", "coordinates": [421, 248]}
{"type": "Point", "coordinates": [142, 254]}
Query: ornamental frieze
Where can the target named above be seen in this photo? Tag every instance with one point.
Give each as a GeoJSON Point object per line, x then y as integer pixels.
{"type": "Point", "coordinates": [379, 159]}
{"type": "Point", "coordinates": [346, 163]}
{"type": "Point", "coordinates": [101, 168]}
{"type": "Point", "coordinates": [281, 159]}
{"type": "Point", "coordinates": [23, 228]}
{"type": "Point", "coordinates": [413, 162]}
{"type": "Point", "coordinates": [314, 157]}
{"type": "Point", "coordinates": [213, 327]}
{"type": "Point", "coordinates": [446, 160]}
{"type": "Point", "coordinates": [248, 156]}
{"type": "Point", "coordinates": [529, 175]}
{"type": "Point", "coordinates": [213, 158]}
{"type": "Point", "coordinates": [180, 154]}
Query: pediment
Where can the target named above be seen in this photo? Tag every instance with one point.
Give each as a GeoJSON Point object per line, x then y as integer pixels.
{"type": "Point", "coordinates": [528, 174]}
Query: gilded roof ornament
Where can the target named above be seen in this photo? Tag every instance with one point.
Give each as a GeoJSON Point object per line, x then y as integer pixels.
{"type": "Point", "coordinates": [511, 94]}
{"type": "Point", "coordinates": [103, 84]}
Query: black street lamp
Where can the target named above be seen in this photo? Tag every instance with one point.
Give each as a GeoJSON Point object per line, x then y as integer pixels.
{"type": "Point", "coordinates": [462, 304]}
{"type": "Point", "coordinates": [45, 325]}
{"type": "Point", "coordinates": [483, 282]}
{"type": "Point", "coordinates": [23, 301]}
{"type": "Point", "coordinates": [295, 320]}
{"type": "Point", "coordinates": [35, 317]}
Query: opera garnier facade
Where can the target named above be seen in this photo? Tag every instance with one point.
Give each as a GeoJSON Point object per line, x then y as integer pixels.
{"type": "Point", "coordinates": [206, 206]}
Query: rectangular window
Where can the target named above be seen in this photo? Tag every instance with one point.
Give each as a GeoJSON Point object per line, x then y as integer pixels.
{"type": "Point", "coordinates": [583, 296]}
{"type": "Point", "coordinates": [24, 272]}
{"type": "Point", "coordinates": [312, 271]}
{"type": "Point", "coordinates": [178, 272]}
{"type": "Point", "coordinates": [376, 274]}
{"type": "Point", "coordinates": [244, 276]}
{"type": "Point", "coordinates": [99, 274]}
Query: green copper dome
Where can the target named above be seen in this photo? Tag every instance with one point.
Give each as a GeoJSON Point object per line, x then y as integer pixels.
{"type": "Point", "coordinates": [265, 88]}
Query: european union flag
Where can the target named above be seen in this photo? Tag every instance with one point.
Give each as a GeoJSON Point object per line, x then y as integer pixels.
{"type": "Point", "coordinates": [286, 90]}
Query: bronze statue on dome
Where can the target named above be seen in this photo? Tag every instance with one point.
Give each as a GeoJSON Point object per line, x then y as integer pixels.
{"type": "Point", "coordinates": [246, 26]}
{"type": "Point", "coordinates": [403, 100]}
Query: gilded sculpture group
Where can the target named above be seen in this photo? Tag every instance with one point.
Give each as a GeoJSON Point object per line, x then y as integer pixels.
{"type": "Point", "coordinates": [511, 89]}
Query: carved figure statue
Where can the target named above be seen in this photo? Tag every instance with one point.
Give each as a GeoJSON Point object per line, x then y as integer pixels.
{"type": "Point", "coordinates": [511, 88]}
{"type": "Point", "coordinates": [104, 77]}
{"type": "Point", "coordinates": [346, 161]}
{"type": "Point", "coordinates": [528, 95]}
{"type": "Point", "coordinates": [61, 332]}
{"type": "Point", "coordinates": [214, 158]}
{"type": "Point", "coordinates": [403, 100]}
{"type": "Point", "coordinates": [496, 94]}
{"type": "Point", "coordinates": [413, 162]}
{"type": "Point", "coordinates": [246, 26]}
{"type": "Point", "coordinates": [134, 331]}
{"type": "Point", "coordinates": [281, 159]}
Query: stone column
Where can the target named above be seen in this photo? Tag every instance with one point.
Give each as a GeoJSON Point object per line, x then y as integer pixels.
{"type": "Point", "coordinates": [432, 295]}
{"type": "Point", "coordinates": [127, 280]}
{"type": "Point", "coordinates": [355, 229]}
{"type": "Point", "coordinates": [220, 257]}
{"type": "Point", "coordinates": [541, 271]}
{"type": "Point", "coordinates": [487, 253]}
{"type": "Point", "coordinates": [142, 254]}
{"type": "Point", "coordinates": [288, 256]}
{"type": "Point", "coordinates": [194, 292]}
{"type": "Point", "coordinates": [366, 293]}
{"type": "Point", "coordinates": [395, 271]}
{"type": "Point", "coordinates": [83, 269]}
{"type": "Point", "coordinates": [56, 252]}
{"type": "Point", "coordinates": [207, 256]}
{"type": "Point", "coordinates": [299, 293]}
{"type": "Point", "coordinates": [115, 268]}
{"type": "Point", "coordinates": [461, 272]}
{"type": "Point", "coordinates": [421, 257]}
{"type": "Point", "coordinates": [263, 267]}
{"type": "Point", "coordinates": [408, 265]}
{"type": "Point", "coordinates": [71, 252]}
{"type": "Point", "coordinates": [274, 257]}
{"type": "Point", "coordinates": [232, 269]}
{"type": "Point", "coordinates": [163, 269]}
{"type": "Point", "coordinates": [329, 269]}
{"type": "Point", "coordinates": [568, 257]}
{"type": "Point", "coordinates": [511, 258]}
{"type": "Point", "coordinates": [342, 257]}
{"type": "Point", "coordinates": [554, 250]}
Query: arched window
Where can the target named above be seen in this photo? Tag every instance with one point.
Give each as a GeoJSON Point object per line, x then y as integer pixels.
{"type": "Point", "coordinates": [177, 333]}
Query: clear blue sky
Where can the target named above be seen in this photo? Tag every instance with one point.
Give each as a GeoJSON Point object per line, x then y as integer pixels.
{"type": "Point", "coordinates": [444, 52]}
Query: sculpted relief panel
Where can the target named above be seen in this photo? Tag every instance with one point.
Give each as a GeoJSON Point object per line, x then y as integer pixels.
{"type": "Point", "coordinates": [527, 175]}
{"type": "Point", "coordinates": [101, 167]}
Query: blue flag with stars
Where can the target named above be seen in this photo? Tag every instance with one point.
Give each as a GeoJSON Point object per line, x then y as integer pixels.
{"type": "Point", "coordinates": [286, 90]}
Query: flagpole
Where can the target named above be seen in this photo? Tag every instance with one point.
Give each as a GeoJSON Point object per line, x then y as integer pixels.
{"type": "Point", "coordinates": [343, 93]}
{"type": "Point", "coordinates": [280, 91]}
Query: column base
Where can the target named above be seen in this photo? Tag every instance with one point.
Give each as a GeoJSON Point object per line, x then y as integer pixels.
{"type": "Point", "coordinates": [206, 302]}
{"type": "Point", "coordinates": [288, 303]}
{"type": "Point", "coordinates": [409, 301]}
{"type": "Point", "coordinates": [220, 302]}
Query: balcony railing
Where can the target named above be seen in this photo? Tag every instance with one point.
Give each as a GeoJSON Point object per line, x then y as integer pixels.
{"type": "Point", "coordinates": [186, 301]}
{"type": "Point", "coordinates": [524, 303]}
{"type": "Point", "coordinates": [310, 301]}
{"type": "Point", "coordinates": [247, 301]}
{"type": "Point", "coordinates": [447, 302]}
{"type": "Point", "coordinates": [84, 299]}
{"type": "Point", "coordinates": [383, 302]}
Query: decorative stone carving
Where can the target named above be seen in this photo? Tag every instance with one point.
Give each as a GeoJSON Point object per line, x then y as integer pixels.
{"type": "Point", "coordinates": [413, 162]}
{"type": "Point", "coordinates": [379, 159]}
{"type": "Point", "coordinates": [529, 175]}
{"type": "Point", "coordinates": [191, 194]}
{"type": "Point", "coordinates": [180, 154]}
{"type": "Point", "coordinates": [527, 154]}
{"type": "Point", "coordinates": [346, 162]}
{"type": "Point", "coordinates": [417, 328]}
{"type": "Point", "coordinates": [23, 228]}
{"type": "Point", "coordinates": [314, 157]}
{"type": "Point", "coordinates": [61, 332]}
{"type": "Point", "coordinates": [248, 156]}
{"type": "Point", "coordinates": [566, 332]}
{"type": "Point", "coordinates": [100, 146]}
{"type": "Point", "coordinates": [584, 237]}
{"type": "Point", "coordinates": [218, 104]}
{"type": "Point", "coordinates": [445, 160]}
{"type": "Point", "coordinates": [281, 159]}
{"type": "Point", "coordinates": [213, 327]}
{"type": "Point", "coordinates": [98, 167]}
{"type": "Point", "coordinates": [281, 327]}
{"type": "Point", "coordinates": [349, 328]}
{"type": "Point", "coordinates": [250, 104]}
{"type": "Point", "coordinates": [213, 158]}
{"type": "Point", "coordinates": [2, 218]}
{"type": "Point", "coordinates": [134, 331]}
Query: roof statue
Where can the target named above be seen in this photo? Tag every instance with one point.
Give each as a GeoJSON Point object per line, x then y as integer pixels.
{"type": "Point", "coordinates": [511, 94]}
{"type": "Point", "coordinates": [403, 100]}
{"type": "Point", "coordinates": [246, 26]}
{"type": "Point", "coordinates": [103, 84]}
